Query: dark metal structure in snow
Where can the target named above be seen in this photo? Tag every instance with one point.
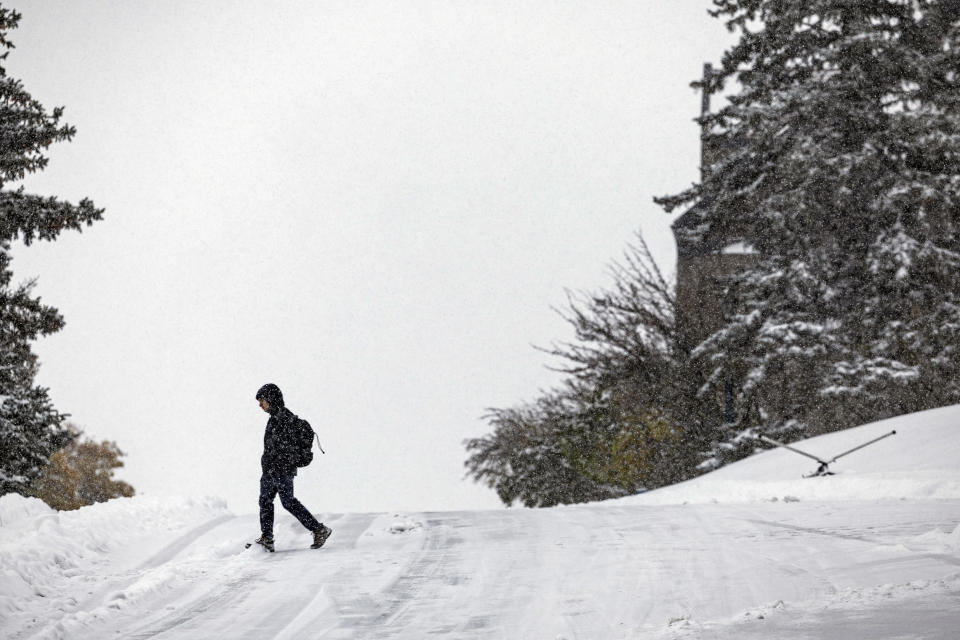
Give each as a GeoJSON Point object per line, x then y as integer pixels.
{"type": "Point", "coordinates": [824, 468]}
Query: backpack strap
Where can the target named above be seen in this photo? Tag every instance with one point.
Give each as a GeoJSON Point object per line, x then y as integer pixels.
{"type": "Point", "coordinates": [318, 442]}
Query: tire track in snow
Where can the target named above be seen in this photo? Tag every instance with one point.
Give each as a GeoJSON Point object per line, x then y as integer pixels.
{"type": "Point", "coordinates": [174, 549]}
{"type": "Point", "coordinates": [182, 619]}
{"type": "Point", "coordinates": [215, 597]}
{"type": "Point", "coordinates": [222, 612]}
{"type": "Point", "coordinates": [939, 557]}
{"type": "Point", "coordinates": [380, 615]}
{"type": "Point", "coordinates": [490, 575]}
{"type": "Point", "coordinates": [443, 587]}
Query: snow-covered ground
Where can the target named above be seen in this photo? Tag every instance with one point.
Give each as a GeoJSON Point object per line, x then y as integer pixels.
{"type": "Point", "coordinates": [750, 551]}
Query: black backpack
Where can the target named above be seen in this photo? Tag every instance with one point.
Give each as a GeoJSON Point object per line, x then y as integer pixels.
{"type": "Point", "coordinates": [303, 435]}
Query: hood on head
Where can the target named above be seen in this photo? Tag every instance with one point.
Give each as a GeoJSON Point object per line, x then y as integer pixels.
{"type": "Point", "coordinates": [271, 393]}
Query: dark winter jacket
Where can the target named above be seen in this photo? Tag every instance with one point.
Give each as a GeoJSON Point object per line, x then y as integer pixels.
{"type": "Point", "coordinates": [279, 438]}
{"type": "Point", "coordinates": [279, 445]}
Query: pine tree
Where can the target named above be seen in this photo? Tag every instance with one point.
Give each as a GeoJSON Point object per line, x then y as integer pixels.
{"type": "Point", "coordinates": [30, 427]}
{"type": "Point", "coordinates": [840, 164]}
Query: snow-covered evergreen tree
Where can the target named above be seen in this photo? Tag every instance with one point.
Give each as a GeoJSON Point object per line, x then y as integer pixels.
{"type": "Point", "coordinates": [839, 162]}
{"type": "Point", "coordinates": [30, 427]}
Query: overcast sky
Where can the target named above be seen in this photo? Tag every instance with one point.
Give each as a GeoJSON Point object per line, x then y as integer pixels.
{"type": "Point", "coordinates": [375, 205]}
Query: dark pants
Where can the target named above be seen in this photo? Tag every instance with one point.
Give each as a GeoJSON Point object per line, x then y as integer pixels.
{"type": "Point", "coordinates": [269, 488]}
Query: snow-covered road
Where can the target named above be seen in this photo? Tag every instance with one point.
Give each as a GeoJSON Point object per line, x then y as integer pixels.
{"type": "Point", "coordinates": [580, 572]}
{"type": "Point", "coordinates": [779, 559]}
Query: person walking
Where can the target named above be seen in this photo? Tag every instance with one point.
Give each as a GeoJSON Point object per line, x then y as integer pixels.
{"type": "Point", "coordinates": [278, 467]}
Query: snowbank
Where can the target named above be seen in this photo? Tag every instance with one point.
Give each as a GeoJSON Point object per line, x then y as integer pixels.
{"type": "Point", "coordinates": [14, 507]}
{"type": "Point", "coordinates": [41, 548]}
{"type": "Point", "coordinates": [922, 461]}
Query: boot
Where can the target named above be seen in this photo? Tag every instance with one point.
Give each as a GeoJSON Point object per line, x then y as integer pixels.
{"type": "Point", "coordinates": [266, 542]}
{"type": "Point", "coordinates": [320, 536]}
